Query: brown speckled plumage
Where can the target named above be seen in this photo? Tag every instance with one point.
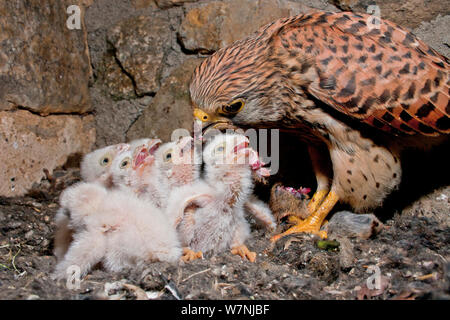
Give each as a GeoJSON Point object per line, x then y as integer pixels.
{"type": "Point", "coordinates": [383, 76]}
{"type": "Point", "coordinates": [365, 88]}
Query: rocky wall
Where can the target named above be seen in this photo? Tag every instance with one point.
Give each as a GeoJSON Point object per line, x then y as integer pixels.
{"type": "Point", "coordinates": [125, 72]}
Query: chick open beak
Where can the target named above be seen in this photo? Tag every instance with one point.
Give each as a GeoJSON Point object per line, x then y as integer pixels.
{"type": "Point", "coordinates": [140, 156]}
{"type": "Point", "coordinates": [154, 146]}
{"type": "Point", "coordinates": [144, 154]}
{"type": "Point", "coordinates": [241, 146]}
{"type": "Point", "coordinates": [211, 121]}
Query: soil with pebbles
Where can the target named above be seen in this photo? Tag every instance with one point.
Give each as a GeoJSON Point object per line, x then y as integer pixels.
{"type": "Point", "coordinates": [410, 255]}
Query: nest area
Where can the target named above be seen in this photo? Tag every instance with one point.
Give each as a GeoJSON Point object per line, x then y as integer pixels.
{"type": "Point", "coordinates": [411, 252]}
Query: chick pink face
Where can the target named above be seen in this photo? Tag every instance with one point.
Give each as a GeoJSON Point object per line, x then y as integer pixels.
{"type": "Point", "coordinates": [144, 157]}
{"type": "Point", "coordinates": [235, 150]}
{"type": "Point", "coordinates": [230, 150]}
{"type": "Point", "coordinates": [177, 160]}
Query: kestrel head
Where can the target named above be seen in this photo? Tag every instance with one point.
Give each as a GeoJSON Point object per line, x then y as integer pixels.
{"type": "Point", "coordinates": [234, 87]}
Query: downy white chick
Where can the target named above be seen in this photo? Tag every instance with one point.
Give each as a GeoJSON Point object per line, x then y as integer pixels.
{"type": "Point", "coordinates": [95, 167]}
{"type": "Point", "coordinates": [179, 163]}
{"type": "Point", "coordinates": [175, 164]}
{"type": "Point", "coordinates": [115, 227]}
{"type": "Point", "coordinates": [261, 211]}
{"type": "Point", "coordinates": [174, 175]}
{"type": "Point", "coordinates": [209, 214]}
{"type": "Point", "coordinates": [131, 164]}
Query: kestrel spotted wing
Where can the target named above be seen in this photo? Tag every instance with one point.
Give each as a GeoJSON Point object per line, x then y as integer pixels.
{"type": "Point", "coordinates": [372, 70]}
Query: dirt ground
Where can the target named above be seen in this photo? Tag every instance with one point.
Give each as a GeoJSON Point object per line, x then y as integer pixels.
{"type": "Point", "coordinates": [411, 252]}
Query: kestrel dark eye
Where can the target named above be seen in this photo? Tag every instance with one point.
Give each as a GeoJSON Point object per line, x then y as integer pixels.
{"type": "Point", "coordinates": [233, 107]}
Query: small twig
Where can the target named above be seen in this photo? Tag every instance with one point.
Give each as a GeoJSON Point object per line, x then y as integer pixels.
{"type": "Point", "coordinates": [171, 287]}
{"type": "Point", "coordinates": [194, 274]}
{"type": "Point", "coordinates": [48, 175]}
{"type": "Point", "coordinates": [13, 261]}
{"type": "Point", "coordinates": [425, 277]}
{"type": "Point", "coordinates": [173, 290]}
{"type": "Point", "coordinates": [4, 266]}
{"type": "Point", "coordinates": [221, 284]}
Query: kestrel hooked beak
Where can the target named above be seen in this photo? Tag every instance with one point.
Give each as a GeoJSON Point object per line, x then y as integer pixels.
{"type": "Point", "coordinates": [212, 121]}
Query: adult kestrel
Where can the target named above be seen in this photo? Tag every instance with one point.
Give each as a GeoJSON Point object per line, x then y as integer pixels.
{"type": "Point", "coordinates": [358, 86]}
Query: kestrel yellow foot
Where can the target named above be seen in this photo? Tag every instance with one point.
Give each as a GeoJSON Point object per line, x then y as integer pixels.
{"type": "Point", "coordinates": [189, 255]}
{"type": "Point", "coordinates": [313, 223]}
{"type": "Point", "coordinates": [316, 200]}
{"type": "Point", "coordinates": [243, 251]}
{"type": "Point", "coordinates": [294, 220]}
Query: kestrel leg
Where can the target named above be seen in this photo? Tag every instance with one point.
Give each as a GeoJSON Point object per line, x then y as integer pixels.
{"type": "Point", "coordinates": [319, 162]}
{"type": "Point", "coordinates": [322, 201]}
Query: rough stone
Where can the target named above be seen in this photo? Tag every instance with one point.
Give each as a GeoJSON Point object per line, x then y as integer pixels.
{"type": "Point", "coordinates": [345, 224]}
{"type": "Point", "coordinates": [215, 24]}
{"type": "Point", "coordinates": [436, 34]}
{"type": "Point", "coordinates": [140, 45]}
{"type": "Point", "coordinates": [102, 16]}
{"type": "Point", "coordinates": [170, 109]}
{"type": "Point", "coordinates": [31, 143]}
{"type": "Point", "coordinates": [118, 84]}
{"type": "Point", "coordinates": [44, 66]}
{"type": "Point", "coordinates": [406, 13]}
{"type": "Point", "coordinates": [165, 4]}
{"type": "Point", "coordinates": [325, 266]}
{"type": "Point", "coordinates": [114, 118]}
{"type": "Point", "coordinates": [139, 4]}
{"type": "Point", "coordinates": [346, 253]}
{"type": "Point", "coordinates": [434, 206]}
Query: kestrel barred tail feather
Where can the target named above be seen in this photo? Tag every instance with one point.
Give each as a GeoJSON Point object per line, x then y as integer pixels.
{"type": "Point", "coordinates": [361, 87]}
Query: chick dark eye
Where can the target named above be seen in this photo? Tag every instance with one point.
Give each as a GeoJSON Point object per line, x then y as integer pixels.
{"type": "Point", "coordinates": [233, 107]}
{"type": "Point", "coordinates": [125, 163]}
{"type": "Point", "coordinates": [104, 161]}
{"type": "Point", "coordinates": [167, 157]}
